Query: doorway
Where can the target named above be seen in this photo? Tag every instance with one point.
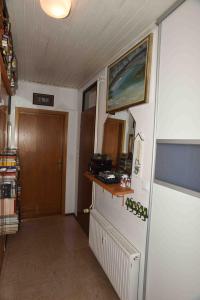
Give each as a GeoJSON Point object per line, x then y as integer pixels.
{"type": "Point", "coordinates": [86, 150]}
{"type": "Point", "coordinates": [41, 137]}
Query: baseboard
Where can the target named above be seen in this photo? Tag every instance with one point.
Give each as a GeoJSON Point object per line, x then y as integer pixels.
{"type": "Point", "coordinates": [70, 214]}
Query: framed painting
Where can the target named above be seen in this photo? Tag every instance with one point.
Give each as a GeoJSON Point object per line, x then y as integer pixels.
{"type": "Point", "coordinates": [128, 77]}
{"type": "Point", "coordinates": [43, 99]}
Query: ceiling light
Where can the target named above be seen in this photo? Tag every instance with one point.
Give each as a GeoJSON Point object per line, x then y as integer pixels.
{"type": "Point", "coordinates": [58, 9]}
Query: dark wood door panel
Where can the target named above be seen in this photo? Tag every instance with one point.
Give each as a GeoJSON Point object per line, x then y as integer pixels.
{"type": "Point", "coordinates": [3, 126]}
{"type": "Point", "coordinates": [87, 136]}
{"type": "Point", "coordinates": [40, 143]}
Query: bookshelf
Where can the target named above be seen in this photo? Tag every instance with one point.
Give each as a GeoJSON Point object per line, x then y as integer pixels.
{"type": "Point", "coordinates": [8, 61]}
{"type": "Point", "coordinates": [9, 195]}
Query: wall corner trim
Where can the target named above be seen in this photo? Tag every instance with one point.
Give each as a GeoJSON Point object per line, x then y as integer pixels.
{"type": "Point", "coordinates": [169, 11]}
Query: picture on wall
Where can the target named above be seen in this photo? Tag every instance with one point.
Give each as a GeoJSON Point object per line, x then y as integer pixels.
{"type": "Point", "coordinates": [43, 99]}
{"type": "Point", "coordinates": [128, 77]}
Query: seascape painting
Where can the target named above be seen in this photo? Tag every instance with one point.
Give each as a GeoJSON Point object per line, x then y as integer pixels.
{"type": "Point", "coordinates": [128, 78]}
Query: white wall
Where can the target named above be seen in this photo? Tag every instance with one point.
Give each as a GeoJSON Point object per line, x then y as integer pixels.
{"type": "Point", "coordinates": [111, 207]}
{"type": "Point", "coordinates": [66, 99]}
{"type": "Point", "coordinates": [174, 260]}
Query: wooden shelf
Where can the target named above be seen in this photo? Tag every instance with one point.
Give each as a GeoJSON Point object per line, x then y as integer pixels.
{"type": "Point", "coordinates": [5, 76]}
{"type": "Point", "coordinates": [114, 189]}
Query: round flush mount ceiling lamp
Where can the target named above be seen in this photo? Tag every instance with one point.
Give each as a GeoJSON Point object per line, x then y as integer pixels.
{"type": "Point", "coordinates": [58, 9]}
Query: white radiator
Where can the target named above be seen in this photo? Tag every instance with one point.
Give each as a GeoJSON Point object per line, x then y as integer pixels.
{"type": "Point", "coordinates": [117, 256]}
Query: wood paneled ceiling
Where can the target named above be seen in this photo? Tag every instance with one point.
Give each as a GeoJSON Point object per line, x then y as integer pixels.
{"type": "Point", "coordinates": [69, 52]}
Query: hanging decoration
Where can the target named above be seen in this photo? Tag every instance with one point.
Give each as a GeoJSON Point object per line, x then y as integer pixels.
{"type": "Point", "coordinates": [138, 154]}
{"type": "Point", "coordinates": [137, 209]}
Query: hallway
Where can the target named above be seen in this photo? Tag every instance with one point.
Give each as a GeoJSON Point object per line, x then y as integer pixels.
{"type": "Point", "coordinates": [50, 259]}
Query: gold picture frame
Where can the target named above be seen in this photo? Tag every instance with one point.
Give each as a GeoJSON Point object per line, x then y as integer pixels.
{"type": "Point", "coordinates": [128, 78]}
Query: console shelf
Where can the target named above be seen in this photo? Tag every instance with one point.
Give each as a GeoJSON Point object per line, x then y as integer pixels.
{"type": "Point", "coordinates": [115, 189]}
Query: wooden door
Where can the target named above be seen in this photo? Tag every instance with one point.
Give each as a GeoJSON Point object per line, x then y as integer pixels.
{"type": "Point", "coordinates": [3, 126]}
{"type": "Point", "coordinates": [87, 136]}
{"type": "Point", "coordinates": [41, 137]}
{"type": "Point", "coordinates": [113, 139]}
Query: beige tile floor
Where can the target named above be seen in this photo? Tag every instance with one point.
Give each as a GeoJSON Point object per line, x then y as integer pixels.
{"type": "Point", "coordinates": [49, 259]}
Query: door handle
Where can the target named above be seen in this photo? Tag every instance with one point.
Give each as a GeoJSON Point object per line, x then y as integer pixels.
{"type": "Point", "coordinates": [87, 210]}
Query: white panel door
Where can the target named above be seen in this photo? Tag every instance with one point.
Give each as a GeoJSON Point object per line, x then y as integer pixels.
{"type": "Point", "coordinates": [173, 271]}
{"type": "Point", "coordinates": [174, 254]}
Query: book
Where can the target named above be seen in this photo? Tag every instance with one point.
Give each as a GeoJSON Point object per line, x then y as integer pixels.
{"type": "Point", "coordinates": [7, 189]}
{"type": "Point", "coordinates": [9, 220]}
{"type": "Point", "coordinates": [6, 163]}
{"type": "Point", "coordinates": [7, 207]}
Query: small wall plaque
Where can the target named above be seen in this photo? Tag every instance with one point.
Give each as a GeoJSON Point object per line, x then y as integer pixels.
{"type": "Point", "coordinates": [43, 99]}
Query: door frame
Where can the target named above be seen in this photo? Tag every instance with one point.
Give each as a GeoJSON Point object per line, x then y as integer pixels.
{"type": "Point", "coordinates": [19, 110]}
{"type": "Point", "coordinates": [4, 110]}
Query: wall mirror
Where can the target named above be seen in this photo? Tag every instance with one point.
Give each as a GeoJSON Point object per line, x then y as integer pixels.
{"type": "Point", "coordinates": [118, 140]}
